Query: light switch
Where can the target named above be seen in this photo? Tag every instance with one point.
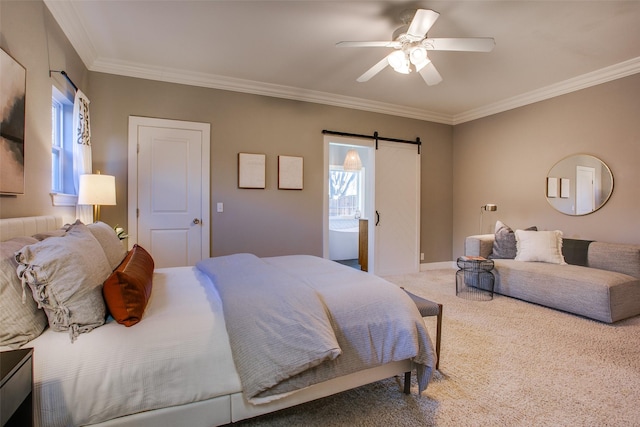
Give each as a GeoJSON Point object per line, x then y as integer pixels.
{"type": "Point", "coordinates": [220, 207]}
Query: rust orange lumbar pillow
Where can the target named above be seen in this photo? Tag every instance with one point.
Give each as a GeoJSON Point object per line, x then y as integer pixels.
{"type": "Point", "coordinates": [128, 289]}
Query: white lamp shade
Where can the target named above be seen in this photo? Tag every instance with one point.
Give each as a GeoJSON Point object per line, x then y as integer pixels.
{"type": "Point", "coordinates": [97, 190]}
{"type": "Point", "coordinates": [352, 161]}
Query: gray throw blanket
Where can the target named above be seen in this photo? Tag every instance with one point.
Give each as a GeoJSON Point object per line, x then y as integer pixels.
{"type": "Point", "coordinates": [277, 328]}
{"type": "Point", "coordinates": [298, 320]}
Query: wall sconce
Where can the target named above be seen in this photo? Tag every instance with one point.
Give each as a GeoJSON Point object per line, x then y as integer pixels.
{"type": "Point", "coordinates": [488, 207]}
{"type": "Point", "coordinates": [352, 161]}
{"type": "Point", "coordinates": [96, 190]}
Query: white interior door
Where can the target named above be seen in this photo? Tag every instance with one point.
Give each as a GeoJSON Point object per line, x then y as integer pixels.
{"type": "Point", "coordinates": [397, 205]}
{"type": "Point", "coordinates": [169, 189]}
{"type": "Point", "coordinates": [585, 190]}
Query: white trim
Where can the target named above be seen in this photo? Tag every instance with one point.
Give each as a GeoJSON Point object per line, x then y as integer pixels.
{"type": "Point", "coordinates": [65, 14]}
{"type": "Point", "coordinates": [425, 266]}
{"type": "Point", "coordinates": [142, 71]}
{"type": "Point", "coordinates": [213, 81]}
{"type": "Point", "coordinates": [62, 199]}
{"type": "Point", "coordinates": [614, 72]}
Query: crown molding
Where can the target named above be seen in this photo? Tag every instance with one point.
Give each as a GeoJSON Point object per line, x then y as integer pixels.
{"type": "Point", "coordinates": [142, 71]}
{"type": "Point", "coordinates": [607, 74]}
{"type": "Point", "coordinates": [69, 20]}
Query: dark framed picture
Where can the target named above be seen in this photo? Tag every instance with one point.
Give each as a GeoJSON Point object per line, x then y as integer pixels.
{"type": "Point", "coordinates": [12, 102]}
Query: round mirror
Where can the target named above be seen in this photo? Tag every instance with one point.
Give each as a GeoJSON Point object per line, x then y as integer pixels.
{"type": "Point", "coordinates": [579, 184]}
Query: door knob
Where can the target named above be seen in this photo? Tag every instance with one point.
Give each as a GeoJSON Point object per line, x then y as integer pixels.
{"type": "Point", "coordinates": [196, 221]}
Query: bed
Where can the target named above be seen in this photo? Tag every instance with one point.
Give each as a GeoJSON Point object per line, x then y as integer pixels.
{"type": "Point", "coordinates": [176, 366]}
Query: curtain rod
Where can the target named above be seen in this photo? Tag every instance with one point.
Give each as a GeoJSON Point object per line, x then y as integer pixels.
{"type": "Point", "coordinates": [376, 137]}
{"type": "Point", "coordinates": [66, 76]}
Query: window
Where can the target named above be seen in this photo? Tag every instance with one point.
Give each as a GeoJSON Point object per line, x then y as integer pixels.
{"type": "Point", "coordinates": [57, 146]}
{"type": "Point", "coordinates": [61, 150]}
{"type": "Point", "coordinates": [346, 192]}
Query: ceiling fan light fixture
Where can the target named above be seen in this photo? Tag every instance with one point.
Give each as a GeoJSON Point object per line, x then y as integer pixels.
{"type": "Point", "coordinates": [399, 62]}
{"type": "Point", "coordinates": [418, 55]}
{"type": "Point", "coordinates": [396, 59]}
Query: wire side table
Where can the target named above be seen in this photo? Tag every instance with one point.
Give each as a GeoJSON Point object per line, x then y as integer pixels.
{"type": "Point", "coordinates": [474, 280]}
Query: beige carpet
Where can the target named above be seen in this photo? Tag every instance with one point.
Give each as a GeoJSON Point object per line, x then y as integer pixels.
{"type": "Point", "coordinates": [504, 363]}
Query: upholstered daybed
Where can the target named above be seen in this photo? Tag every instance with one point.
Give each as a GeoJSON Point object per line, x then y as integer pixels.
{"type": "Point", "coordinates": [605, 285]}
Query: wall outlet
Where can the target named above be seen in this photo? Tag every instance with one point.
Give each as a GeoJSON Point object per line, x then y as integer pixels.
{"type": "Point", "coordinates": [220, 207]}
{"type": "Point", "coordinates": [421, 256]}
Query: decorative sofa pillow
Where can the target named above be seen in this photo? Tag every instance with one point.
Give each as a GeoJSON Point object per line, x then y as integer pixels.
{"type": "Point", "coordinates": [128, 289]}
{"type": "Point", "coordinates": [540, 246]}
{"type": "Point", "coordinates": [111, 244]}
{"type": "Point", "coordinates": [65, 275]}
{"type": "Point", "coordinates": [504, 244]}
{"type": "Point", "coordinates": [20, 317]}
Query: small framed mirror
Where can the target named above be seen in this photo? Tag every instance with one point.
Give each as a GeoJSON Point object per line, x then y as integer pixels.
{"type": "Point", "coordinates": [579, 184]}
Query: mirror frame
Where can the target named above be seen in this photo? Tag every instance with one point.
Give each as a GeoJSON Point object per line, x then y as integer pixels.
{"type": "Point", "coordinates": [560, 188]}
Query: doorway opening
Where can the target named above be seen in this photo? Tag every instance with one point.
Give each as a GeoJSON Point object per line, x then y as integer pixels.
{"type": "Point", "coordinates": [349, 199]}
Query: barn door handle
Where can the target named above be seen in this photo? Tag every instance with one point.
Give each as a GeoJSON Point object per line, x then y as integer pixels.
{"type": "Point", "coordinates": [377, 218]}
{"type": "Point", "coordinates": [196, 221]}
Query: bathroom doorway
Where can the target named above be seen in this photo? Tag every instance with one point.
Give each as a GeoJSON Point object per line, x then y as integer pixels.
{"type": "Point", "coordinates": [349, 197]}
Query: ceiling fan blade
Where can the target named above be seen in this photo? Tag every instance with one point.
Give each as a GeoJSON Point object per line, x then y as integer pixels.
{"type": "Point", "coordinates": [430, 75]}
{"type": "Point", "coordinates": [373, 70]}
{"type": "Point", "coordinates": [421, 23]}
{"type": "Point", "coordinates": [369, 44]}
{"type": "Point", "coordinates": [473, 44]}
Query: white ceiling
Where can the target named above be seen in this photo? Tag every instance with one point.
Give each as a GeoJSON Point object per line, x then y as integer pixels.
{"type": "Point", "coordinates": [287, 49]}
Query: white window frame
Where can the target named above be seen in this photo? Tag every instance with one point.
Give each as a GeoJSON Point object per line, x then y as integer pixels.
{"type": "Point", "coordinates": [63, 192]}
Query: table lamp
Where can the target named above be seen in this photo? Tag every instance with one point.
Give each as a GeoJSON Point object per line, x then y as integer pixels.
{"type": "Point", "coordinates": [97, 190]}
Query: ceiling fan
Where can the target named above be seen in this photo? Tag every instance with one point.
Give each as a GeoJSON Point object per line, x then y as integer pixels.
{"type": "Point", "coordinates": [411, 44]}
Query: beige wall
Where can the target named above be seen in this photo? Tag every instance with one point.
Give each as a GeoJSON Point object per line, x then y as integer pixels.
{"type": "Point", "coordinates": [504, 159]}
{"type": "Point", "coordinates": [266, 222]}
{"type": "Point", "coordinates": [501, 159]}
{"type": "Point", "coordinates": [31, 36]}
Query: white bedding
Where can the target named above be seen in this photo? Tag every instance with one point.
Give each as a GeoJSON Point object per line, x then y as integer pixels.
{"type": "Point", "coordinates": [178, 353]}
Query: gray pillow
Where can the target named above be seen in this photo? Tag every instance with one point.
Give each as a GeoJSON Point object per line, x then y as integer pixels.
{"type": "Point", "coordinates": [20, 322]}
{"type": "Point", "coordinates": [65, 275]}
{"type": "Point", "coordinates": [111, 244]}
{"type": "Point", "coordinates": [504, 244]}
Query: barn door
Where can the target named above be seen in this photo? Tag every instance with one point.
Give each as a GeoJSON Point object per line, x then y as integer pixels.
{"type": "Point", "coordinates": [397, 209]}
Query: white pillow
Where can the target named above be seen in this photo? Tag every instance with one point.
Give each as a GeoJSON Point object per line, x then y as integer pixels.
{"type": "Point", "coordinates": [540, 246]}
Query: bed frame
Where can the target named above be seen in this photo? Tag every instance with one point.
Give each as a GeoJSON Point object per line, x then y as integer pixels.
{"type": "Point", "coordinates": [223, 409]}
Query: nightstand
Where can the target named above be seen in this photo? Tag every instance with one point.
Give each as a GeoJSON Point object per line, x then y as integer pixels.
{"type": "Point", "coordinates": [16, 369]}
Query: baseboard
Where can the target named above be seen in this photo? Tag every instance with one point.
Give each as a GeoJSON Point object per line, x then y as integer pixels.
{"type": "Point", "coordinates": [437, 265]}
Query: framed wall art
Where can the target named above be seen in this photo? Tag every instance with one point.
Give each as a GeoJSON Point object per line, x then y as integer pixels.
{"type": "Point", "coordinates": [565, 188]}
{"type": "Point", "coordinates": [12, 105]}
{"type": "Point", "coordinates": [552, 187]}
{"type": "Point", "coordinates": [290, 173]}
{"type": "Point", "coordinates": [251, 170]}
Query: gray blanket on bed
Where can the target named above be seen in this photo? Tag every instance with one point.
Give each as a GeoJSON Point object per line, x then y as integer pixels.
{"type": "Point", "coordinates": [277, 328]}
{"type": "Point", "coordinates": [298, 320]}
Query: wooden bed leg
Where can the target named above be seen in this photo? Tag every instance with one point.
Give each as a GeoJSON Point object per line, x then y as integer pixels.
{"type": "Point", "coordinates": [407, 382]}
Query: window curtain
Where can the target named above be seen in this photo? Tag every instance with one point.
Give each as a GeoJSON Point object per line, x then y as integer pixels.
{"type": "Point", "coordinates": [81, 150]}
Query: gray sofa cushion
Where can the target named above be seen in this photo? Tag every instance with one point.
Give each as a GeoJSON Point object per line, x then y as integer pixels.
{"type": "Point", "coordinates": [504, 244]}
{"type": "Point", "coordinates": [603, 295]}
{"type": "Point", "coordinates": [615, 257]}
